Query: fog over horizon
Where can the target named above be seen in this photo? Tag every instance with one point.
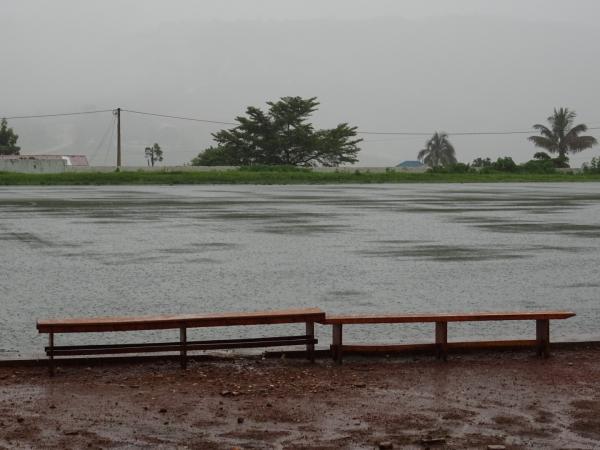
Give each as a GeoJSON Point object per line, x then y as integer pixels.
{"type": "Point", "coordinates": [386, 66]}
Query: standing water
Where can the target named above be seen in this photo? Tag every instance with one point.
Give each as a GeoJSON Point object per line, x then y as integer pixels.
{"type": "Point", "coordinates": [92, 251]}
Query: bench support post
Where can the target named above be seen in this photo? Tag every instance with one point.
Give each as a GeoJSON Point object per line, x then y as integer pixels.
{"type": "Point", "coordinates": [51, 354]}
{"type": "Point", "coordinates": [441, 340]}
{"type": "Point", "coordinates": [542, 328]}
{"type": "Point", "coordinates": [337, 343]}
{"type": "Point", "coordinates": [183, 351]}
{"type": "Point", "coordinates": [310, 348]}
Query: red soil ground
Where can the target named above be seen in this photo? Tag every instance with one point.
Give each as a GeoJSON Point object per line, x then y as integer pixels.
{"type": "Point", "coordinates": [472, 401]}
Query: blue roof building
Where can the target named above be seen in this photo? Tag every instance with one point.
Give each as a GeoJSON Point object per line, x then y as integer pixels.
{"type": "Point", "coordinates": [411, 164]}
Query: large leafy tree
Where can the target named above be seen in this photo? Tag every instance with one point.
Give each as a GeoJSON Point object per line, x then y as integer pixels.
{"type": "Point", "coordinates": [438, 151]}
{"type": "Point", "coordinates": [282, 136]}
{"type": "Point", "coordinates": [8, 140]}
{"type": "Point", "coordinates": [561, 136]}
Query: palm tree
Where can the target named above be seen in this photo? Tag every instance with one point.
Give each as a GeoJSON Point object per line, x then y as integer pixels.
{"type": "Point", "coordinates": [562, 137]}
{"type": "Point", "coordinates": [438, 151]}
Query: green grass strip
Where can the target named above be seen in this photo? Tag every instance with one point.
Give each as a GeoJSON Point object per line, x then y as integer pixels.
{"type": "Point", "coordinates": [268, 177]}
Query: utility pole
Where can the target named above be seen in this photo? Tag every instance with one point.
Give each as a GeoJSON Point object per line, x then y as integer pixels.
{"type": "Point", "coordinates": [118, 138]}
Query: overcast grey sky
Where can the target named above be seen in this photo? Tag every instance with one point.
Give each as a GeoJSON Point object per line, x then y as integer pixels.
{"type": "Point", "coordinates": [462, 65]}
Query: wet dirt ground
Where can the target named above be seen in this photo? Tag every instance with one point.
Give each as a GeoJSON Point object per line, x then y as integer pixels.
{"type": "Point", "coordinates": [509, 398]}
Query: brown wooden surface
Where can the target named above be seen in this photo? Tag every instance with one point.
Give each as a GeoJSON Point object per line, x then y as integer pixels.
{"type": "Point", "coordinates": [466, 317]}
{"type": "Point", "coordinates": [100, 324]}
{"type": "Point", "coordinates": [393, 348]}
{"type": "Point", "coordinates": [441, 339]}
{"type": "Point", "coordinates": [542, 328]}
{"type": "Point", "coordinates": [198, 345]}
{"type": "Point", "coordinates": [177, 343]}
{"type": "Point", "coordinates": [310, 345]}
{"type": "Point", "coordinates": [336, 340]}
{"type": "Point", "coordinates": [385, 348]}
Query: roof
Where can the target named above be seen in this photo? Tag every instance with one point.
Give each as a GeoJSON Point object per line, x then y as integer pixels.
{"type": "Point", "coordinates": [410, 164]}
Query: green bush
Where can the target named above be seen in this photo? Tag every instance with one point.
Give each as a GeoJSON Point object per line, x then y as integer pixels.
{"type": "Point", "coordinates": [480, 162]}
{"type": "Point", "coordinates": [561, 163]}
{"type": "Point", "coordinates": [593, 166]}
{"type": "Point", "coordinates": [452, 168]}
{"type": "Point", "coordinates": [542, 156]}
{"type": "Point", "coordinates": [505, 164]}
{"type": "Point", "coordinates": [538, 166]}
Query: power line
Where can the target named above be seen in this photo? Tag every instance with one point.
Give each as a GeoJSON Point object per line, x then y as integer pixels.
{"type": "Point", "coordinates": [385, 133]}
{"type": "Point", "coordinates": [178, 117]}
{"type": "Point", "coordinates": [110, 128]}
{"type": "Point", "coordinates": [461, 133]}
{"type": "Point", "coordinates": [110, 139]}
{"type": "Point", "coordinates": [58, 115]}
{"type": "Point", "coordinates": [393, 139]}
{"type": "Point", "coordinates": [218, 122]}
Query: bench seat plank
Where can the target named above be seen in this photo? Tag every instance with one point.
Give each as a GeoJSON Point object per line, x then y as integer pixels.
{"type": "Point", "coordinates": [178, 343]}
{"type": "Point", "coordinates": [393, 348]}
{"type": "Point", "coordinates": [308, 316]}
{"type": "Point", "coordinates": [163, 322]}
{"type": "Point", "coordinates": [467, 317]}
{"type": "Point", "coordinates": [169, 347]}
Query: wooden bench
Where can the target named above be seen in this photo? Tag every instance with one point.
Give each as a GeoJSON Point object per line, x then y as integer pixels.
{"type": "Point", "coordinates": [182, 322]}
{"type": "Point", "coordinates": [441, 346]}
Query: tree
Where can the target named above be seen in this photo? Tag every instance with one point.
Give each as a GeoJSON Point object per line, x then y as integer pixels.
{"type": "Point", "coordinates": [506, 164]}
{"type": "Point", "coordinates": [8, 140]}
{"type": "Point", "coordinates": [438, 151]}
{"type": "Point", "coordinates": [542, 156]}
{"type": "Point", "coordinates": [214, 156]}
{"type": "Point", "coordinates": [282, 136]}
{"type": "Point", "coordinates": [154, 154]}
{"type": "Point", "coordinates": [481, 162]}
{"type": "Point", "coordinates": [561, 136]}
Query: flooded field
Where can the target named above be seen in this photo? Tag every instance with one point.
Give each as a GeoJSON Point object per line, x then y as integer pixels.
{"type": "Point", "coordinates": [370, 248]}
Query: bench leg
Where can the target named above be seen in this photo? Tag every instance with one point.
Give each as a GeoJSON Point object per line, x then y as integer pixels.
{"type": "Point", "coordinates": [336, 347]}
{"type": "Point", "coordinates": [183, 351]}
{"type": "Point", "coordinates": [310, 348]}
{"type": "Point", "coordinates": [51, 354]}
{"type": "Point", "coordinates": [542, 328]}
{"type": "Point", "coordinates": [441, 340]}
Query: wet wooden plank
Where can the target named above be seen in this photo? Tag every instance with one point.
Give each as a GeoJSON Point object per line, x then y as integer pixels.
{"type": "Point", "coordinates": [441, 339]}
{"type": "Point", "coordinates": [444, 317]}
{"type": "Point", "coordinates": [336, 346]}
{"type": "Point", "coordinates": [385, 348]}
{"type": "Point", "coordinates": [516, 343]}
{"type": "Point", "coordinates": [157, 348]}
{"type": "Point", "coordinates": [394, 348]}
{"type": "Point", "coordinates": [542, 328]}
{"type": "Point", "coordinates": [162, 322]}
{"type": "Point", "coordinates": [175, 344]}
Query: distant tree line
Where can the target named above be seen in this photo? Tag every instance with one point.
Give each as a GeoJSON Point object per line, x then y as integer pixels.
{"type": "Point", "coordinates": [560, 137]}
{"type": "Point", "coordinates": [283, 136]}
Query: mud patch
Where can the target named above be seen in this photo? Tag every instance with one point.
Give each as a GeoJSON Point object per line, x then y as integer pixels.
{"type": "Point", "coordinates": [587, 418]}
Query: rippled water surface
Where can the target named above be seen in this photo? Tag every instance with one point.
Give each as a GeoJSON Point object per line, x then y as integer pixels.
{"type": "Point", "coordinates": [78, 251]}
